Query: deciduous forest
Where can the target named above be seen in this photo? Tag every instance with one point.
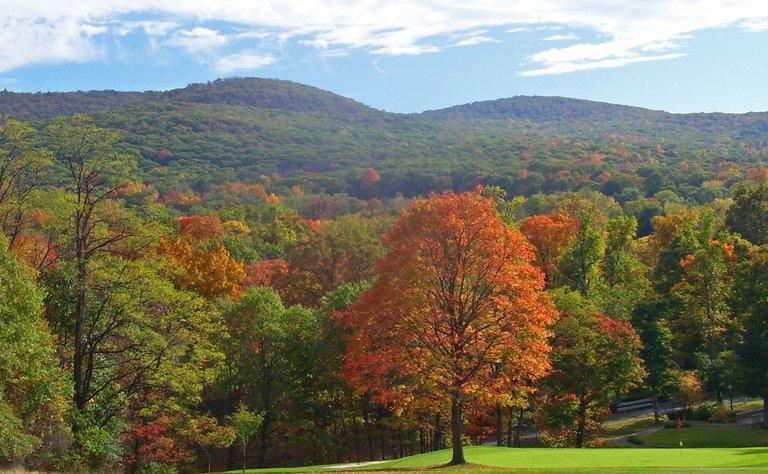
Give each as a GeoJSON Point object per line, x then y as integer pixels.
{"type": "Point", "coordinates": [257, 273]}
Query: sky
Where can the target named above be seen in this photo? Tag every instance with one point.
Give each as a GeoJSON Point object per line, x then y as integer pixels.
{"type": "Point", "coordinates": [402, 55]}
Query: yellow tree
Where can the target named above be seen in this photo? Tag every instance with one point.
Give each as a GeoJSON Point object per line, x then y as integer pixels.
{"type": "Point", "coordinates": [211, 273]}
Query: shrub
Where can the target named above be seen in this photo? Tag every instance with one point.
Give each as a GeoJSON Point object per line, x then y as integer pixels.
{"type": "Point", "coordinates": [722, 415]}
{"type": "Point", "coordinates": [705, 411]}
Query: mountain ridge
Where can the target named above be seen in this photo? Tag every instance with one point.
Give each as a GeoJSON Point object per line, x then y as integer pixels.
{"type": "Point", "coordinates": [293, 96]}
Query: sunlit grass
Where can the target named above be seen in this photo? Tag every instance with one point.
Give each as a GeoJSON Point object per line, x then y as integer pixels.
{"type": "Point", "coordinates": [490, 459]}
{"type": "Point", "coordinates": [708, 436]}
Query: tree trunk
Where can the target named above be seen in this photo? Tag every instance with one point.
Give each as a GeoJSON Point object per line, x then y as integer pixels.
{"type": "Point", "coordinates": [437, 440]}
{"type": "Point", "coordinates": [765, 410]}
{"type": "Point", "coordinates": [265, 427]}
{"type": "Point", "coordinates": [499, 426]}
{"type": "Point", "coordinates": [655, 410]}
{"type": "Point", "coordinates": [509, 428]}
{"type": "Point", "coordinates": [519, 431]}
{"type": "Point", "coordinates": [582, 423]}
{"type": "Point", "coordinates": [245, 444]}
{"type": "Point", "coordinates": [456, 432]}
{"type": "Point", "coordinates": [79, 355]}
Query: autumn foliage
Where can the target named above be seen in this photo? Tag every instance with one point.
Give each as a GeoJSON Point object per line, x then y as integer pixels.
{"type": "Point", "coordinates": [549, 236]}
{"type": "Point", "coordinates": [196, 229]}
{"type": "Point", "coordinates": [212, 273]}
{"type": "Point", "coordinates": [457, 314]}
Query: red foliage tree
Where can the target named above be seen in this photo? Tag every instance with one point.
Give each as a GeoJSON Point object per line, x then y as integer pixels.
{"type": "Point", "coordinates": [457, 314]}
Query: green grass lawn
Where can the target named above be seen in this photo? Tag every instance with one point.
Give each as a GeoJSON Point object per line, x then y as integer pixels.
{"type": "Point", "coordinates": [611, 460]}
{"type": "Point", "coordinates": [708, 437]}
{"type": "Point", "coordinates": [567, 458]}
{"type": "Point", "coordinates": [615, 429]}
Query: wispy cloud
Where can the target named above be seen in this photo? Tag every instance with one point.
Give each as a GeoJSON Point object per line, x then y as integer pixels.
{"type": "Point", "coordinates": [243, 61]}
{"type": "Point", "coordinates": [197, 40]}
{"type": "Point", "coordinates": [567, 37]}
{"type": "Point", "coordinates": [42, 31]}
{"type": "Point", "coordinates": [566, 67]}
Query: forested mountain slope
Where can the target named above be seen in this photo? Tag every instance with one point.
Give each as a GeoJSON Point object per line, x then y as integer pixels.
{"type": "Point", "coordinates": [240, 129]}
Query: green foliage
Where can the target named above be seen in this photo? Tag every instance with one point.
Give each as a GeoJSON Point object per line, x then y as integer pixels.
{"type": "Point", "coordinates": [245, 423]}
{"type": "Point", "coordinates": [748, 215]}
{"type": "Point", "coordinates": [267, 156]}
{"type": "Point", "coordinates": [595, 359]}
{"type": "Point", "coordinates": [241, 129]}
{"type": "Point", "coordinates": [657, 351]}
{"type": "Point", "coordinates": [579, 263]}
{"type": "Point", "coordinates": [32, 391]}
{"type": "Point", "coordinates": [751, 294]}
{"type": "Point", "coordinates": [15, 442]}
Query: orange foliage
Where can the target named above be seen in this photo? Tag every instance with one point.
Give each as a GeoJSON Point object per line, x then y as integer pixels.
{"type": "Point", "coordinates": [196, 229]}
{"type": "Point", "coordinates": [264, 272]}
{"type": "Point", "coordinates": [211, 273]}
{"type": "Point", "coordinates": [34, 250]}
{"type": "Point", "coordinates": [368, 183]}
{"type": "Point", "coordinates": [550, 235]}
{"type": "Point", "coordinates": [184, 199]}
{"type": "Point", "coordinates": [457, 315]}
{"type": "Point", "coordinates": [246, 190]}
{"type": "Point", "coordinates": [759, 175]}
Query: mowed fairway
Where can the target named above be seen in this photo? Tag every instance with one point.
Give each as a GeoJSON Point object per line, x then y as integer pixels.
{"type": "Point", "coordinates": [598, 458]}
{"type": "Point", "coordinates": [555, 460]}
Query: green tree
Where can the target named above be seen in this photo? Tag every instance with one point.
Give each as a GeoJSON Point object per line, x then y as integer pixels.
{"type": "Point", "coordinates": [262, 364]}
{"type": "Point", "coordinates": [22, 166]}
{"type": "Point", "coordinates": [748, 215]}
{"type": "Point", "coordinates": [624, 279]}
{"type": "Point", "coordinates": [32, 390]}
{"type": "Point", "coordinates": [245, 423]}
{"type": "Point", "coordinates": [594, 360]}
{"type": "Point", "coordinates": [751, 294]}
{"type": "Point", "coordinates": [579, 264]}
{"type": "Point", "coordinates": [94, 171]}
{"type": "Point", "coordinates": [657, 352]}
{"type": "Point", "coordinates": [207, 433]}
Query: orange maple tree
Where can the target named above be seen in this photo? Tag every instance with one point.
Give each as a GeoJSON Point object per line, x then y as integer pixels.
{"type": "Point", "coordinates": [457, 314]}
{"type": "Point", "coordinates": [550, 236]}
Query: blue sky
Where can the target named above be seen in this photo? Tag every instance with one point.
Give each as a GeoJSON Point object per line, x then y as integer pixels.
{"type": "Point", "coordinates": [402, 56]}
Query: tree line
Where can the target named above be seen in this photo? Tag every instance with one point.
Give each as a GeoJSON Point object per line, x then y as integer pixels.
{"type": "Point", "coordinates": [252, 324]}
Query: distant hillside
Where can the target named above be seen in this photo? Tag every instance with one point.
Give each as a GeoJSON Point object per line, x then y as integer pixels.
{"type": "Point", "coordinates": [545, 109]}
{"type": "Point", "coordinates": [252, 92]}
{"type": "Point", "coordinates": [246, 129]}
{"type": "Point", "coordinates": [580, 113]}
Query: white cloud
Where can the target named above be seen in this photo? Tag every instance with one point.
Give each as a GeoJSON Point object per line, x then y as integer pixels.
{"type": "Point", "coordinates": [567, 37]}
{"type": "Point", "coordinates": [197, 40]}
{"type": "Point", "coordinates": [756, 24]}
{"type": "Point", "coordinates": [473, 40]}
{"type": "Point", "coordinates": [43, 31]}
{"type": "Point", "coordinates": [243, 61]}
{"type": "Point", "coordinates": [566, 67]}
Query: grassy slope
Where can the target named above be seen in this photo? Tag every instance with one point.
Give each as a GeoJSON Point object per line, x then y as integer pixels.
{"type": "Point", "coordinates": [581, 460]}
{"type": "Point", "coordinates": [543, 458]}
{"type": "Point", "coordinates": [708, 437]}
